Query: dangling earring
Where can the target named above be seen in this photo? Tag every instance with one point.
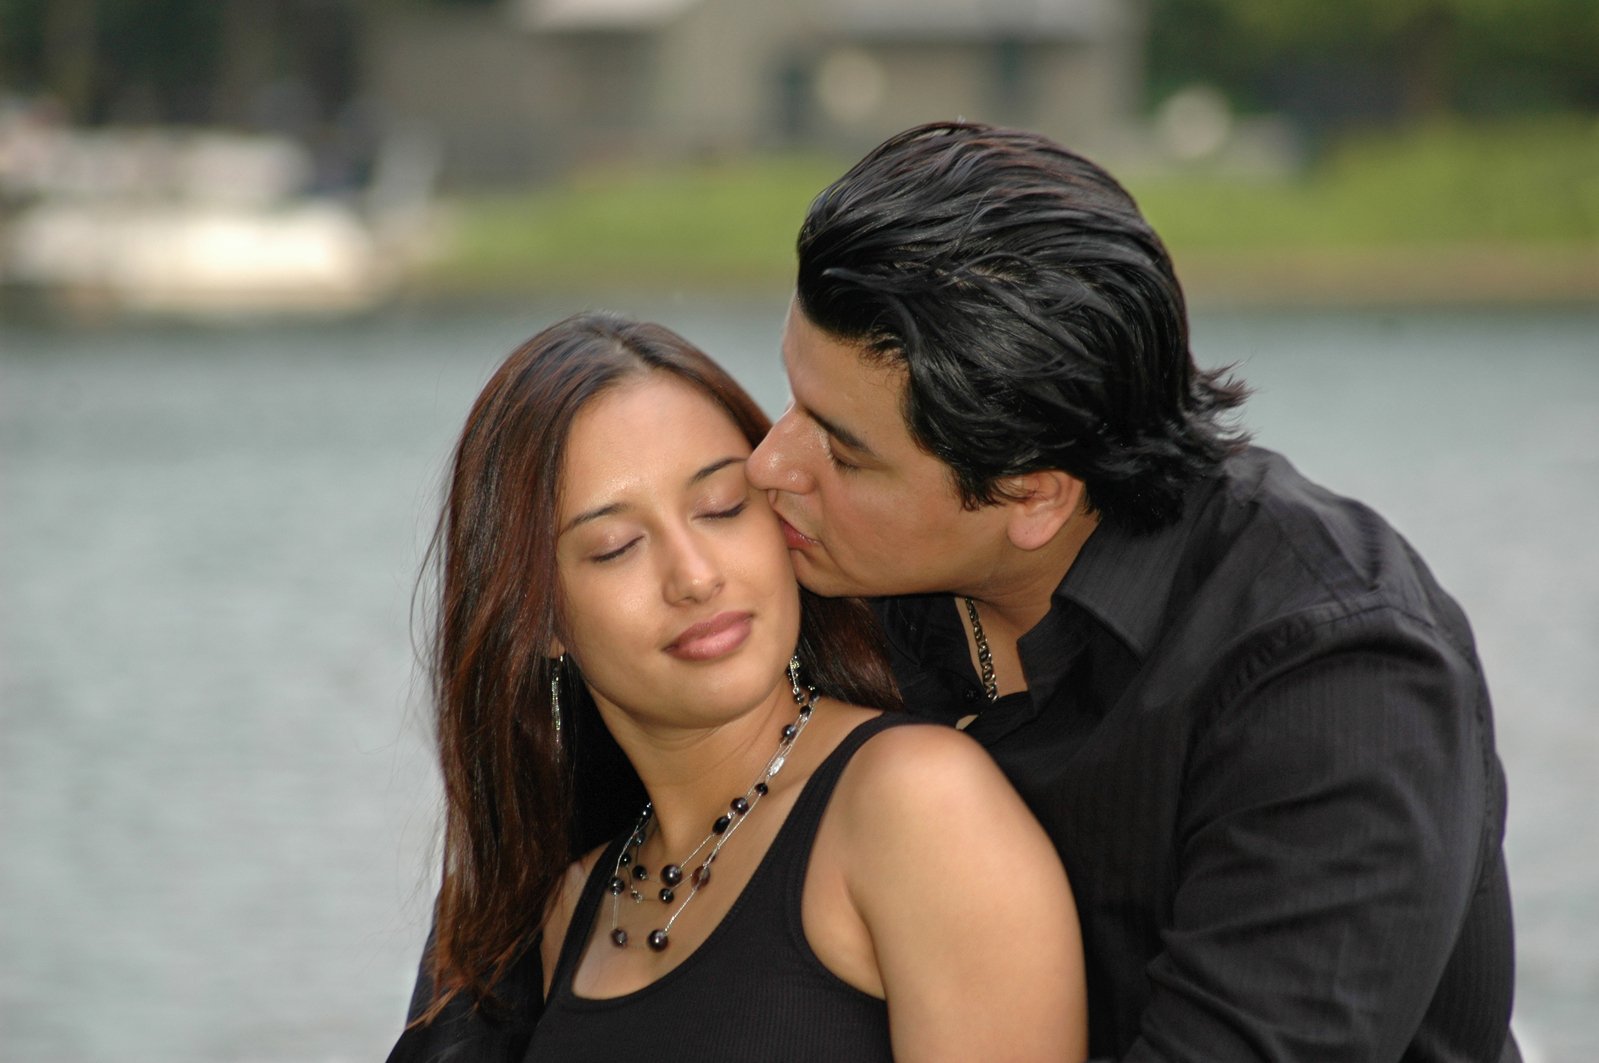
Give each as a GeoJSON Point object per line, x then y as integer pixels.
{"type": "Point", "coordinates": [802, 695]}
{"type": "Point", "coordinates": [555, 696]}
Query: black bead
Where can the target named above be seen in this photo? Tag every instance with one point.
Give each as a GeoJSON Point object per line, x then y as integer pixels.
{"type": "Point", "coordinates": [657, 940]}
{"type": "Point", "coordinates": [619, 938]}
{"type": "Point", "coordinates": [641, 872]}
{"type": "Point", "coordinates": [721, 824]}
{"type": "Point", "coordinates": [805, 709]}
{"type": "Point", "coordinates": [702, 874]}
{"type": "Point", "coordinates": [667, 893]}
{"type": "Point", "coordinates": [617, 886]}
{"type": "Point", "coordinates": [740, 805]}
{"type": "Point", "coordinates": [762, 789]}
{"type": "Point", "coordinates": [789, 731]}
{"type": "Point", "coordinates": [671, 874]}
{"type": "Point", "coordinates": [625, 859]}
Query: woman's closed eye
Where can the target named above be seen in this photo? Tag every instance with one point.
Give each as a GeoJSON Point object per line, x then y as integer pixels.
{"type": "Point", "coordinates": [612, 555]}
{"type": "Point", "coordinates": [724, 513]}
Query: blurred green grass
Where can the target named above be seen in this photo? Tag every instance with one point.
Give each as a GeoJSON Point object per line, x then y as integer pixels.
{"type": "Point", "coordinates": [1526, 183]}
{"type": "Point", "coordinates": [1515, 190]}
{"type": "Point", "coordinates": [727, 223]}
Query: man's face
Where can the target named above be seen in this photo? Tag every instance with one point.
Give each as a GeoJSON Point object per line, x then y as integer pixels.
{"type": "Point", "coordinates": [865, 510]}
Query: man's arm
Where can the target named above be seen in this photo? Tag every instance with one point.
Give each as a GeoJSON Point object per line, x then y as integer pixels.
{"type": "Point", "coordinates": [1336, 815]}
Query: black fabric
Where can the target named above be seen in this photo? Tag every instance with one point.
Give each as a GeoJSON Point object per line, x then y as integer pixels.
{"type": "Point", "coordinates": [1262, 743]}
{"type": "Point", "coordinates": [466, 1034]}
{"type": "Point", "coordinates": [753, 990]}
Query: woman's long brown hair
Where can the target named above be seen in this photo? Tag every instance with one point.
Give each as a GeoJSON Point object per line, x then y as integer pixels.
{"type": "Point", "coordinates": [518, 806]}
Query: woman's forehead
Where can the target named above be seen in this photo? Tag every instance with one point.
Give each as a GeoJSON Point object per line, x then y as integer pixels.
{"type": "Point", "coordinates": [653, 427]}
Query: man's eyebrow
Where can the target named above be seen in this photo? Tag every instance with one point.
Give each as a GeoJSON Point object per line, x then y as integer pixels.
{"type": "Point", "coordinates": [842, 434]}
{"type": "Point", "coordinates": [614, 508]}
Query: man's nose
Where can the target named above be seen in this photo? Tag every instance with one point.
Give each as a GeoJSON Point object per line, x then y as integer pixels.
{"type": "Point", "coordinates": [777, 465]}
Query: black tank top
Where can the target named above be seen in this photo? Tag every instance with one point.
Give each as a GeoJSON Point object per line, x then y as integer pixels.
{"type": "Point", "coordinates": [753, 990]}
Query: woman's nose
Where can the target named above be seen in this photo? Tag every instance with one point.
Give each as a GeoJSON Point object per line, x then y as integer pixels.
{"type": "Point", "coordinates": [693, 573]}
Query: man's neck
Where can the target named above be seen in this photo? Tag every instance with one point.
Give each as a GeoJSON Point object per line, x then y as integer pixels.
{"type": "Point", "coordinates": [1017, 595]}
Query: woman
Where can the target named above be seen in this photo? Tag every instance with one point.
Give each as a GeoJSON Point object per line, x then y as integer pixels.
{"type": "Point", "coordinates": [805, 877]}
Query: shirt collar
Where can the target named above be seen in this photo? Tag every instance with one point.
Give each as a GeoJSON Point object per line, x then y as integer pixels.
{"type": "Point", "coordinates": [1120, 581]}
{"type": "Point", "coordinates": [1124, 578]}
{"type": "Point", "coordinates": [1109, 605]}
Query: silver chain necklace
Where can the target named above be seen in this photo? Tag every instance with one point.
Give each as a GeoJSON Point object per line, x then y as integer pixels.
{"type": "Point", "coordinates": [629, 875]}
{"type": "Point", "coordinates": [985, 660]}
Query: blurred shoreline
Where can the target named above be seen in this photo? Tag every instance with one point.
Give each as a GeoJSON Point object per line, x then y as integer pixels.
{"type": "Point", "coordinates": [1480, 277]}
{"type": "Point", "coordinates": [1486, 275]}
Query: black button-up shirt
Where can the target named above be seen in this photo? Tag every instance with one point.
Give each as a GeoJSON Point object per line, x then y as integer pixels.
{"type": "Point", "coordinates": [1262, 743]}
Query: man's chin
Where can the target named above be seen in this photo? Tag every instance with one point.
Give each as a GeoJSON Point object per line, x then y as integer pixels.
{"type": "Point", "coordinates": [828, 583]}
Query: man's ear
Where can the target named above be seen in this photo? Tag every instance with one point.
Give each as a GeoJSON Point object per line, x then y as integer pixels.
{"type": "Point", "coordinates": [1042, 503]}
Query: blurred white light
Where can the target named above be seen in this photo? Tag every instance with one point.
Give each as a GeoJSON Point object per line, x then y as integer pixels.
{"type": "Point", "coordinates": [850, 85]}
{"type": "Point", "coordinates": [1194, 123]}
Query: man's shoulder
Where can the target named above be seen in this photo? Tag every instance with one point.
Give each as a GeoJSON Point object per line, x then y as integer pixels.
{"type": "Point", "coordinates": [1280, 547]}
{"type": "Point", "coordinates": [1260, 553]}
{"type": "Point", "coordinates": [1329, 544]}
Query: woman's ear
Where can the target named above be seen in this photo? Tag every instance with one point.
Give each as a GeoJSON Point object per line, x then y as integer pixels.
{"type": "Point", "coordinates": [557, 648]}
{"type": "Point", "coordinates": [1041, 504]}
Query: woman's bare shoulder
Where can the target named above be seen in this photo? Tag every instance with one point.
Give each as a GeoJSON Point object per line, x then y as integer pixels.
{"type": "Point", "coordinates": [929, 787]}
{"type": "Point", "coordinates": [921, 766]}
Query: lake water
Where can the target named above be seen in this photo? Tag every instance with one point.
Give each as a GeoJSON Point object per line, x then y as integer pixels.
{"type": "Point", "coordinates": [217, 808]}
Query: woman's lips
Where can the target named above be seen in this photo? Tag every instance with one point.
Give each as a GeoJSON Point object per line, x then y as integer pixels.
{"type": "Point", "coordinates": [709, 639]}
{"type": "Point", "coordinates": [795, 539]}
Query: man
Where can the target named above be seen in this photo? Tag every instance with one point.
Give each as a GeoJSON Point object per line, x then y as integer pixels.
{"type": "Point", "coordinates": [1253, 724]}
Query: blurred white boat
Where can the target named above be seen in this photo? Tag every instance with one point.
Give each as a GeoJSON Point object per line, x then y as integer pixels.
{"type": "Point", "coordinates": [205, 224]}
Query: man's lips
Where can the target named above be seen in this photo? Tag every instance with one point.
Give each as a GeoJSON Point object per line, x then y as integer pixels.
{"type": "Point", "coordinates": [709, 639]}
{"type": "Point", "coordinates": [795, 539]}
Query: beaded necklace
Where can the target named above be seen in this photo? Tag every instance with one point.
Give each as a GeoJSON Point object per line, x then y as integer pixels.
{"type": "Point", "coordinates": [722, 830]}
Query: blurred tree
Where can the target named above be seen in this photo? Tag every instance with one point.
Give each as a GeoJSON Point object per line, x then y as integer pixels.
{"type": "Point", "coordinates": [1532, 54]}
{"type": "Point", "coordinates": [1325, 63]}
{"type": "Point", "coordinates": [182, 61]}
{"type": "Point", "coordinates": [111, 59]}
{"type": "Point", "coordinates": [67, 51]}
{"type": "Point", "coordinates": [1330, 63]}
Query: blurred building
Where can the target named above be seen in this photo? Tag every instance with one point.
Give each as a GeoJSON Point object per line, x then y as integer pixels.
{"type": "Point", "coordinates": [530, 88]}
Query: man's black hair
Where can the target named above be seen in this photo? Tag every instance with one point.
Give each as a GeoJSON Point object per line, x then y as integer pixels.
{"type": "Point", "coordinates": [1036, 313]}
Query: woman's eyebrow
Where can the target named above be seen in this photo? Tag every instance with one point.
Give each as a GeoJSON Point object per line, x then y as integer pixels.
{"type": "Point", "coordinates": [613, 508]}
{"type": "Point", "coordinates": [713, 468]}
{"type": "Point", "coordinates": [593, 514]}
